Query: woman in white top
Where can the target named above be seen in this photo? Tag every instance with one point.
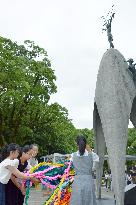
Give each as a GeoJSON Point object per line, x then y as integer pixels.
{"type": "Point", "coordinates": [8, 166]}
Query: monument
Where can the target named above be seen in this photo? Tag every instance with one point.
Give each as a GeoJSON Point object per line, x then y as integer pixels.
{"type": "Point", "coordinates": [114, 105]}
{"type": "Point", "coordinates": [131, 67]}
{"type": "Point", "coordinates": [107, 26]}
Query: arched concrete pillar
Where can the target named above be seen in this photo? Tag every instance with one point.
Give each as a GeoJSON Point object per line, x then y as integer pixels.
{"type": "Point", "coordinates": [114, 95]}
{"type": "Point", "coordinates": [99, 149]}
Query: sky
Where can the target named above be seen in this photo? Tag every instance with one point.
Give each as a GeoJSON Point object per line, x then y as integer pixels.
{"type": "Point", "coordinates": [71, 33]}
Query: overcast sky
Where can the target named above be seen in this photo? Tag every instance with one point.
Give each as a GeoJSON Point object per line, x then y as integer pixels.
{"type": "Point", "coordinates": [71, 33]}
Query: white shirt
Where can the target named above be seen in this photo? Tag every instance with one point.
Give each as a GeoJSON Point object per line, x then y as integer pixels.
{"type": "Point", "coordinates": [5, 173]}
{"type": "Point", "coordinates": [94, 155]}
{"type": "Point", "coordinates": [32, 162]}
{"type": "Point", "coordinates": [107, 176]}
{"type": "Point", "coordinates": [130, 186]}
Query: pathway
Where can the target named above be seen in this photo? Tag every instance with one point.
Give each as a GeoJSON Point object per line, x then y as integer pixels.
{"type": "Point", "coordinates": [36, 198]}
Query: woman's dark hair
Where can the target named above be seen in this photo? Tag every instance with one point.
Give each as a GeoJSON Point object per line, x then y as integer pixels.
{"type": "Point", "coordinates": [25, 149]}
{"type": "Point", "coordinates": [5, 151]}
{"type": "Point", "coordinates": [81, 142]}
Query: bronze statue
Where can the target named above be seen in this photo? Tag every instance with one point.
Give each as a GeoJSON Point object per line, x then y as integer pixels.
{"type": "Point", "coordinates": [107, 24]}
{"type": "Point", "coordinates": [131, 67]}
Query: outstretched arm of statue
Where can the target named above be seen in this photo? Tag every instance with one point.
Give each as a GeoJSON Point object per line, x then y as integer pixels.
{"type": "Point", "coordinates": [104, 29]}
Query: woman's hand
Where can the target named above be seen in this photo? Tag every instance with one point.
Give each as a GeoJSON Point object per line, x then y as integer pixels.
{"type": "Point", "coordinates": [35, 180]}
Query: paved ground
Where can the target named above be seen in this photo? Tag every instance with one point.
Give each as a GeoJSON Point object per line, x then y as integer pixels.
{"type": "Point", "coordinates": [36, 198]}
{"type": "Point", "coordinates": [107, 198]}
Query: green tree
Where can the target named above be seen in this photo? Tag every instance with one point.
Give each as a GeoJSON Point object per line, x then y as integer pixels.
{"type": "Point", "coordinates": [26, 83]}
{"type": "Point", "coordinates": [131, 143]}
{"type": "Point", "coordinates": [54, 131]}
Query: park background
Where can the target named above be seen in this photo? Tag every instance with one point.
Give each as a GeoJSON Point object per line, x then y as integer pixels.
{"type": "Point", "coordinates": [47, 91]}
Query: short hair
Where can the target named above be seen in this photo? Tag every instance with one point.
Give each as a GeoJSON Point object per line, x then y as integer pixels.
{"type": "Point", "coordinates": [34, 145]}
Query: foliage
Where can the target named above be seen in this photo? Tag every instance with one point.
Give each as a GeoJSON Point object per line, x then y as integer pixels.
{"type": "Point", "coordinates": [26, 83]}
{"type": "Point", "coordinates": [131, 144]}
{"type": "Point", "coordinates": [54, 130]}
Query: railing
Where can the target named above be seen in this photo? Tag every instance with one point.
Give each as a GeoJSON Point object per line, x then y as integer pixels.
{"type": "Point", "coordinates": [56, 157]}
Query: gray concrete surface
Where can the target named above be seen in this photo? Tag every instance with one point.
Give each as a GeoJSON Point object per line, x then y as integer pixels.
{"type": "Point", "coordinates": [114, 105]}
{"type": "Point", "coordinates": [36, 198]}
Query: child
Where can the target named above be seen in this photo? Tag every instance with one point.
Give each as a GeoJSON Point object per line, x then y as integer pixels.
{"type": "Point", "coordinates": [15, 190]}
{"type": "Point", "coordinates": [8, 166]}
{"type": "Point", "coordinates": [83, 190]}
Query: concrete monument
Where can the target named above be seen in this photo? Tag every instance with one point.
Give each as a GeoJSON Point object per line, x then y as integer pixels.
{"type": "Point", "coordinates": [114, 105]}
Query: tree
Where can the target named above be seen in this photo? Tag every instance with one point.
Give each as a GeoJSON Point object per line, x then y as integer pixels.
{"type": "Point", "coordinates": [54, 131]}
{"type": "Point", "coordinates": [131, 144]}
{"type": "Point", "coordinates": [26, 83]}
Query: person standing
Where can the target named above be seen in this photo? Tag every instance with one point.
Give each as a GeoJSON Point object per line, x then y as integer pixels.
{"type": "Point", "coordinates": [83, 189]}
{"type": "Point", "coordinates": [106, 176]}
{"type": "Point", "coordinates": [129, 179]}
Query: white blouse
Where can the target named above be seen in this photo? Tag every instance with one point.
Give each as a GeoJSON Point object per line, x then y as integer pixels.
{"type": "Point", "coordinates": [5, 173]}
{"type": "Point", "coordinates": [94, 155]}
